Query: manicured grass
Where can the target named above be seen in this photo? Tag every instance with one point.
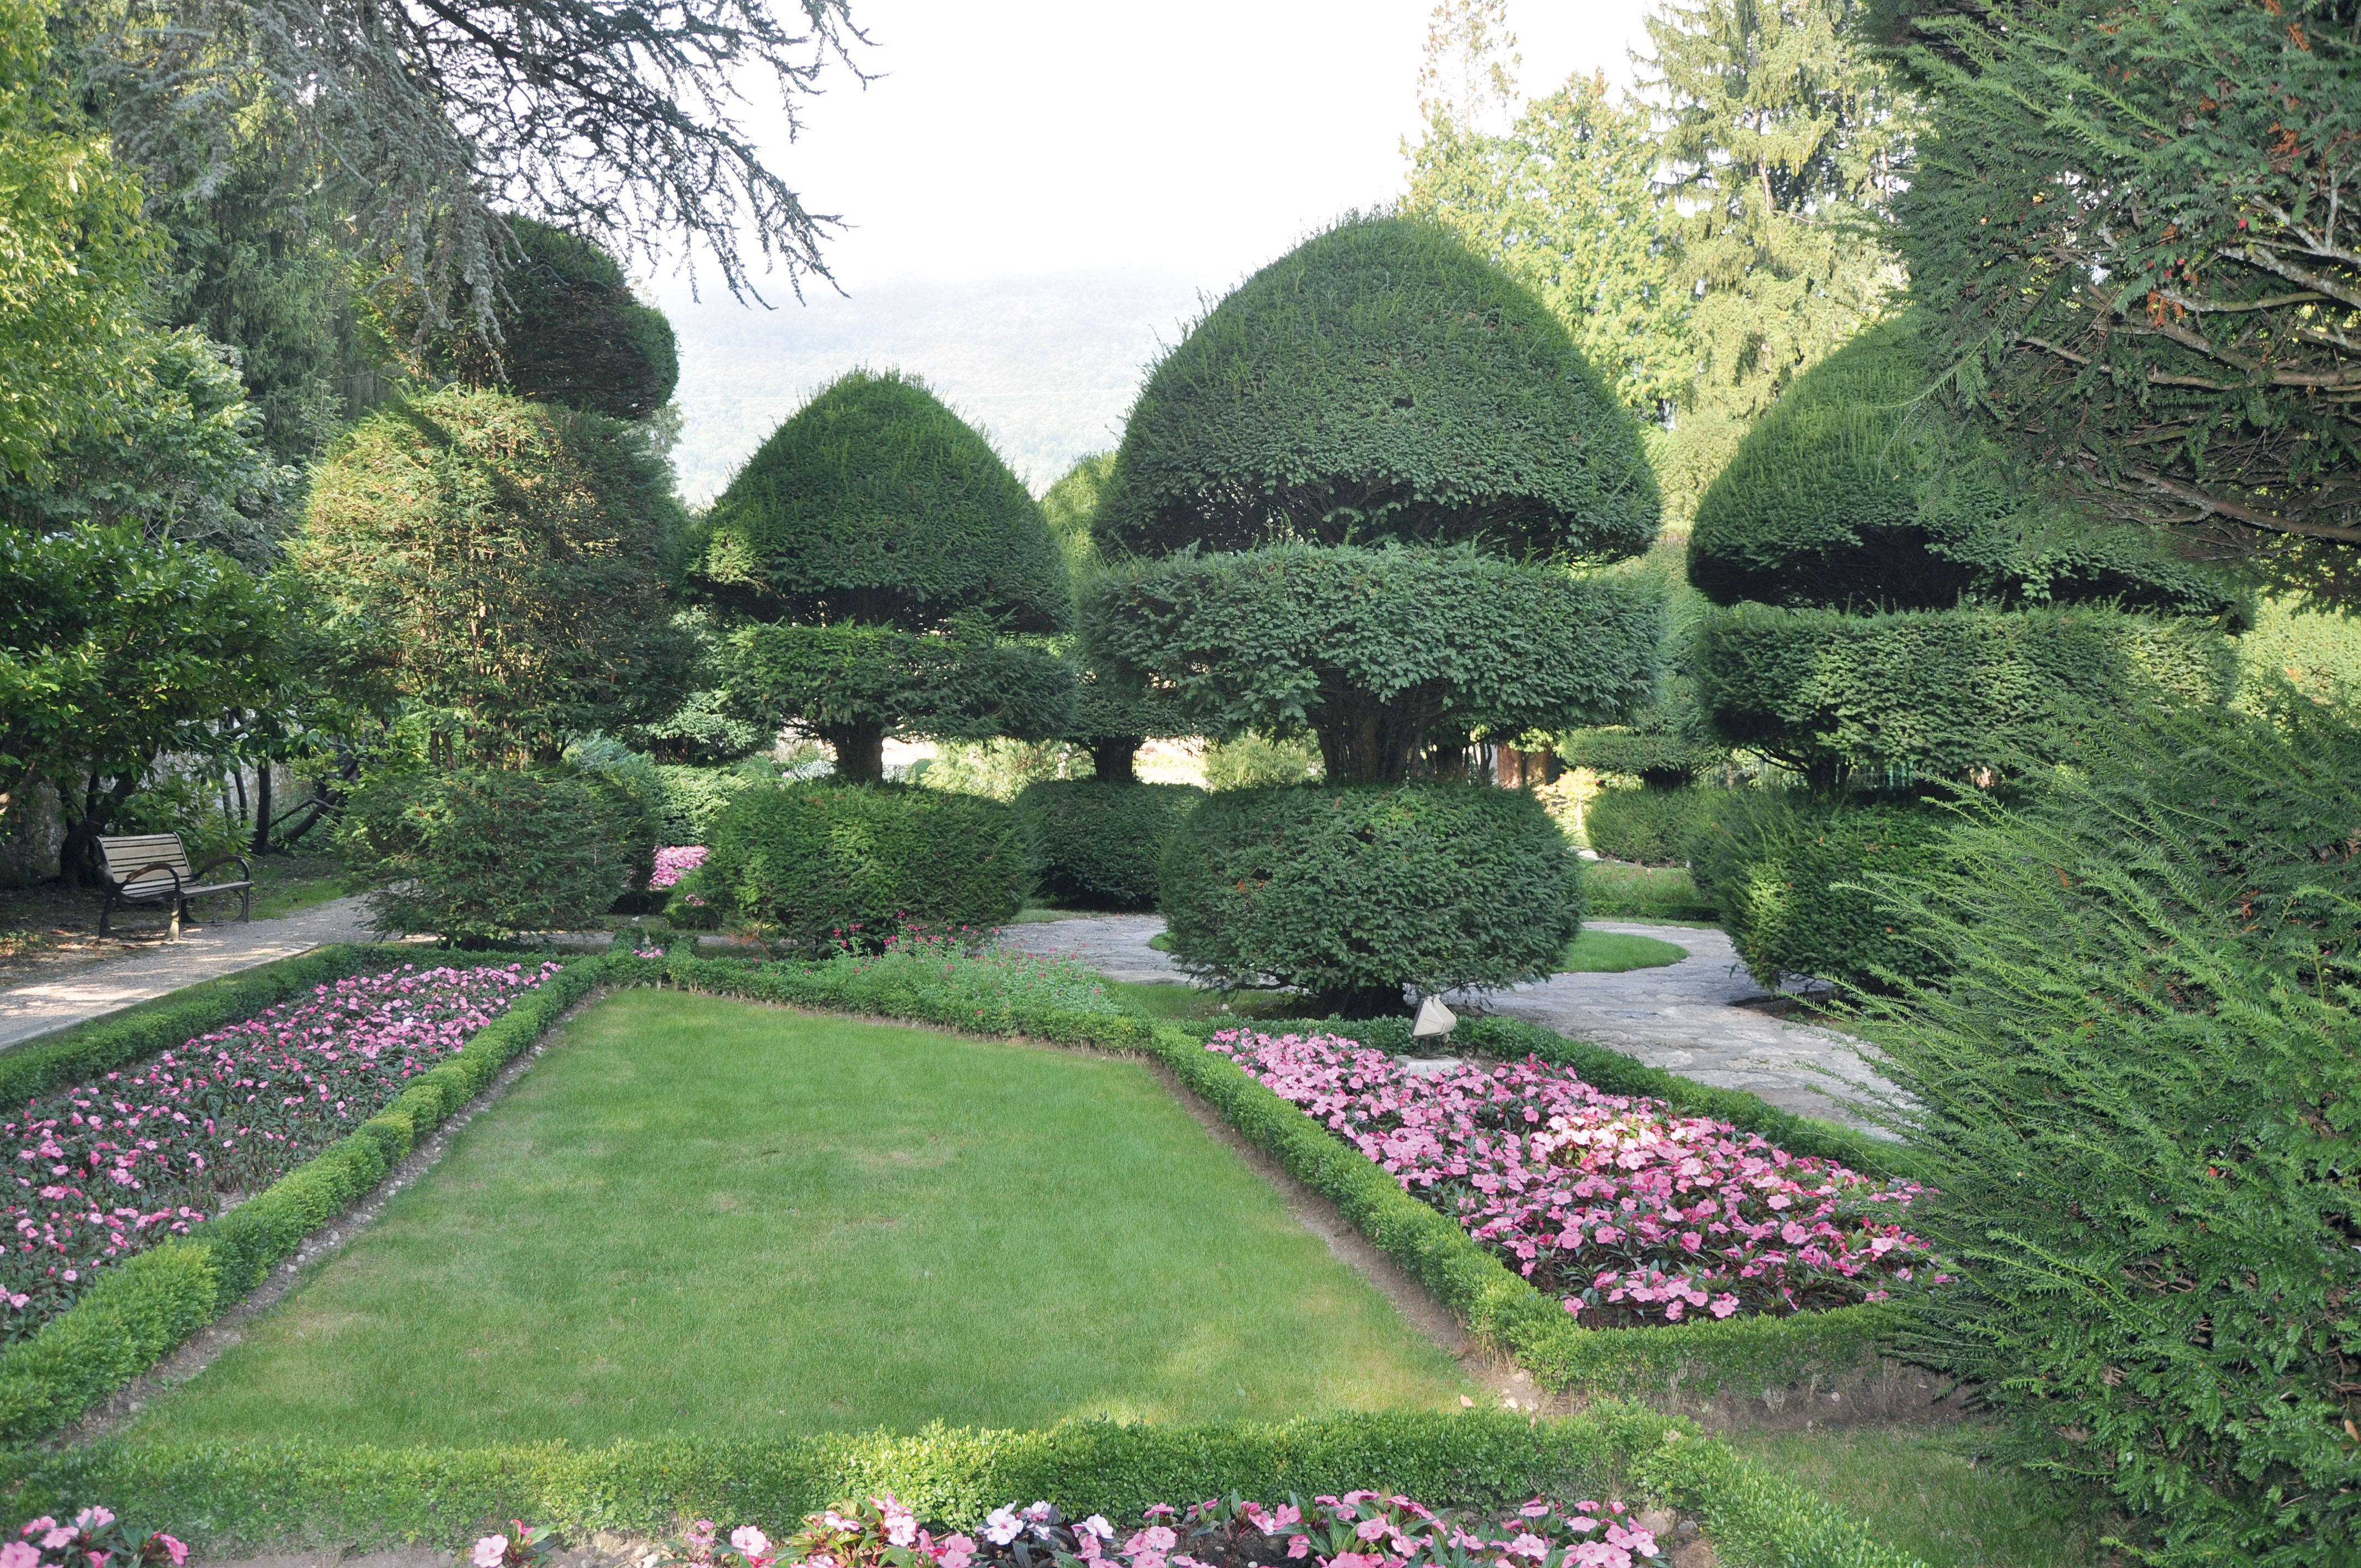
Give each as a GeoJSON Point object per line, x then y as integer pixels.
{"type": "Point", "coordinates": [1165, 999]}
{"type": "Point", "coordinates": [1616, 889]}
{"type": "Point", "coordinates": [697, 1214]}
{"type": "Point", "coordinates": [1612, 952]}
{"type": "Point", "coordinates": [283, 885]}
{"type": "Point", "coordinates": [1918, 1487]}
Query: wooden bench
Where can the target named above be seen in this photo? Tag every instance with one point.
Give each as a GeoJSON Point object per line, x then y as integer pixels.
{"type": "Point", "coordinates": [154, 867]}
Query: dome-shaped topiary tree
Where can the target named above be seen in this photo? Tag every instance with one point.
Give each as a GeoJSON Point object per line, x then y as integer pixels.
{"type": "Point", "coordinates": [1354, 496]}
{"type": "Point", "coordinates": [886, 555]}
{"type": "Point", "coordinates": [1944, 612]}
{"type": "Point", "coordinates": [1110, 718]}
{"type": "Point", "coordinates": [570, 331]}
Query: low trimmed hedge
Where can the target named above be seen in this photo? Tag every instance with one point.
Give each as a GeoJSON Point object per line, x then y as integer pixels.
{"type": "Point", "coordinates": [140, 1310]}
{"type": "Point", "coordinates": [819, 861]}
{"type": "Point", "coordinates": [251, 1496]}
{"type": "Point", "coordinates": [1647, 827]}
{"type": "Point", "coordinates": [1791, 874]}
{"type": "Point", "coordinates": [1099, 843]}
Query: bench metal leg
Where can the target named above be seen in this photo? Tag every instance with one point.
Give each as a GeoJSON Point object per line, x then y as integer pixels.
{"type": "Point", "coordinates": [106, 911]}
{"type": "Point", "coordinates": [246, 906]}
{"type": "Point", "coordinates": [180, 907]}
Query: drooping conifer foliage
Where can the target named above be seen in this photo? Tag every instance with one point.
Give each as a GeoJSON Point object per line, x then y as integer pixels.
{"type": "Point", "coordinates": [883, 552]}
{"type": "Point", "coordinates": [2139, 243]}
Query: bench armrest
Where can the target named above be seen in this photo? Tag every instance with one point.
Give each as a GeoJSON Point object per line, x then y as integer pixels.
{"type": "Point", "coordinates": [243, 869]}
{"type": "Point", "coordinates": [128, 878]}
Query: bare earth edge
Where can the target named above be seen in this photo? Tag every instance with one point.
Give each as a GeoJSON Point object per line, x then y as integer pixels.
{"type": "Point", "coordinates": [1888, 1393]}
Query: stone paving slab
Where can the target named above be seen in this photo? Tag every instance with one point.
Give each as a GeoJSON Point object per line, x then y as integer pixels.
{"type": "Point", "coordinates": [1682, 1017]}
{"type": "Point", "coordinates": [58, 1002]}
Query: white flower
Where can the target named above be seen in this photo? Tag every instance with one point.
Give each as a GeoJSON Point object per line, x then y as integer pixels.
{"type": "Point", "coordinates": [1002, 1526]}
{"type": "Point", "coordinates": [1097, 1525]}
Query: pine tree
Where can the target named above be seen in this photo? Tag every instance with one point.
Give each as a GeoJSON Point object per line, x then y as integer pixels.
{"type": "Point", "coordinates": [1784, 140]}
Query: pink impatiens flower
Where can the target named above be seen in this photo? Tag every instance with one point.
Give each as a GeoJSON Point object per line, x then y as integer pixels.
{"type": "Point", "coordinates": [491, 1550]}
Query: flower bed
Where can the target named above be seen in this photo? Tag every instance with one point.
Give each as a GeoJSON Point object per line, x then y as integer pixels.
{"type": "Point", "coordinates": [956, 969]}
{"type": "Point", "coordinates": [1358, 1530]}
{"type": "Point", "coordinates": [674, 862]}
{"type": "Point", "coordinates": [108, 1167]}
{"type": "Point", "coordinates": [1626, 1212]}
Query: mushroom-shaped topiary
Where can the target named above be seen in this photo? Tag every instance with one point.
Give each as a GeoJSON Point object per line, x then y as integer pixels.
{"type": "Point", "coordinates": [1381, 382]}
{"type": "Point", "coordinates": [884, 552]}
{"type": "Point", "coordinates": [1111, 719]}
{"type": "Point", "coordinates": [570, 331]}
{"type": "Point", "coordinates": [1859, 491]}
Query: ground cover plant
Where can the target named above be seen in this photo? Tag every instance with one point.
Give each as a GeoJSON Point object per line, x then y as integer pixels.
{"type": "Point", "coordinates": [107, 1168]}
{"type": "Point", "coordinates": [1614, 890]}
{"type": "Point", "coordinates": [701, 1215]}
{"type": "Point", "coordinates": [1626, 1213]}
{"type": "Point", "coordinates": [1614, 952]}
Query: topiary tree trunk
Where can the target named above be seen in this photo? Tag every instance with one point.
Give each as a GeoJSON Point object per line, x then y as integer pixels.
{"type": "Point", "coordinates": [1114, 759]}
{"type": "Point", "coordinates": [860, 750]}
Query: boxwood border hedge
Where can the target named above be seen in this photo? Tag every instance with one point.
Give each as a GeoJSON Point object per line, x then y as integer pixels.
{"type": "Point", "coordinates": [252, 1493]}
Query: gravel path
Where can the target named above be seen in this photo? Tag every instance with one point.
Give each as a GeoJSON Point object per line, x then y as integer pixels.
{"type": "Point", "coordinates": [41, 1006]}
{"type": "Point", "coordinates": [1683, 1018]}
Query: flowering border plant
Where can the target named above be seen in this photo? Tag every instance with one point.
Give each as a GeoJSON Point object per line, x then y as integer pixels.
{"type": "Point", "coordinates": [109, 1168]}
{"type": "Point", "coordinates": [1627, 1212]}
{"type": "Point", "coordinates": [674, 862]}
{"type": "Point", "coordinates": [1358, 1530]}
{"type": "Point", "coordinates": [93, 1538]}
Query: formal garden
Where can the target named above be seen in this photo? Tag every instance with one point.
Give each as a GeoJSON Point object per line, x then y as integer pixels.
{"type": "Point", "coordinates": [1916, 547]}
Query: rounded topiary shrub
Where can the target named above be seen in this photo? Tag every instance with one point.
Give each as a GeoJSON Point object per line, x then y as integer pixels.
{"type": "Point", "coordinates": [478, 854]}
{"type": "Point", "coordinates": [1098, 843]}
{"type": "Point", "coordinates": [1647, 827]}
{"type": "Point", "coordinates": [812, 863]}
{"type": "Point", "coordinates": [1352, 893]}
{"type": "Point", "coordinates": [1791, 873]}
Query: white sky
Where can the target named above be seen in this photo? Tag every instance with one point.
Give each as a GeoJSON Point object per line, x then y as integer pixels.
{"type": "Point", "coordinates": [1165, 146]}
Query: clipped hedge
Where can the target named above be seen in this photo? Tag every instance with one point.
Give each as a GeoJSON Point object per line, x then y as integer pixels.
{"type": "Point", "coordinates": [1946, 692]}
{"type": "Point", "coordinates": [688, 799]}
{"type": "Point", "coordinates": [1791, 875]}
{"type": "Point", "coordinates": [1352, 892]}
{"type": "Point", "coordinates": [823, 862]}
{"type": "Point", "coordinates": [139, 1310]}
{"type": "Point", "coordinates": [1648, 827]}
{"type": "Point", "coordinates": [1099, 843]}
{"type": "Point", "coordinates": [251, 1496]}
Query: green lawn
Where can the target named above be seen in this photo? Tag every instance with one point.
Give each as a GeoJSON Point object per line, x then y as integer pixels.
{"type": "Point", "coordinates": [1612, 952]}
{"type": "Point", "coordinates": [1919, 1489]}
{"type": "Point", "coordinates": [1616, 889]}
{"type": "Point", "coordinates": [283, 885]}
{"type": "Point", "coordinates": [696, 1213]}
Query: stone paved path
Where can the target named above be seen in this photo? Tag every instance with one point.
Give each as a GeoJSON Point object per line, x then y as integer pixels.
{"type": "Point", "coordinates": [41, 1006]}
{"type": "Point", "coordinates": [1683, 1018]}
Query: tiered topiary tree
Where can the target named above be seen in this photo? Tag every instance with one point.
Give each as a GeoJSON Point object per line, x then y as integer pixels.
{"type": "Point", "coordinates": [888, 560]}
{"type": "Point", "coordinates": [1901, 605]}
{"type": "Point", "coordinates": [1354, 496]}
{"type": "Point", "coordinates": [1898, 595]}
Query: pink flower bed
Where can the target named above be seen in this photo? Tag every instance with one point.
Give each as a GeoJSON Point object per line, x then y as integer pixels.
{"type": "Point", "coordinates": [108, 1168]}
{"type": "Point", "coordinates": [1626, 1212]}
{"type": "Point", "coordinates": [676, 862]}
{"type": "Point", "coordinates": [1360, 1530]}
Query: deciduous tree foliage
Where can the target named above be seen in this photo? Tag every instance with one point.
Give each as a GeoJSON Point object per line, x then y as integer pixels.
{"type": "Point", "coordinates": [74, 252]}
{"type": "Point", "coordinates": [882, 545]}
{"type": "Point", "coordinates": [2139, 242]}
{"type": "Point", "coordinates": [113, 650]}
{"type": "Point", "coordinates": [1380, 381]}
{"type": "Point", "coordinates": [503, 564]}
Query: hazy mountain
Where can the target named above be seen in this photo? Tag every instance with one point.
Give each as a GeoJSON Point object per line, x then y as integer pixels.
{"type": "Point", "coordinates": [1045, 367]}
